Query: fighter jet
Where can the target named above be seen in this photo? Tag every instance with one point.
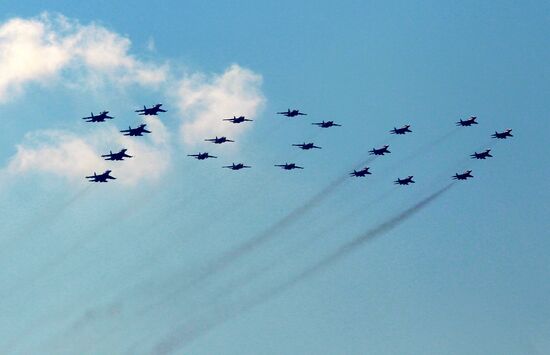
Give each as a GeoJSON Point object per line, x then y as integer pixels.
{"type": "Point", "coordinates": [503, 135]}
{"type": "Point", "coordinates": [327, 124]}
{"type": "Point", "coordinates": [99, 118]}
{"type": "Point", "coordinates": [116, 156]}
{"type": "Point", "coordinates": [466, 123]}
{"type": "Point", "coordinates": [219, 140]}
{"type": "Point", "coordinates": [380, 151]}
{"type": "Point", "coordinates": [361, 173]}
{"type": "Point", "coordinates": [405, 181]}
{"type": "Point", "coordinates": [288, 166]}
{"type": "Point", "coordinates": [153, 111]}
{"type": "Point", "coordinates": [482, 155]}
{"type": "Point", "coordinates": [238, 166]}
{"type": "Point", "coordinates": [463, 176]}
{"type": "Point", "coordinates": [401, 130]}
{"type": "Point", "coordinates": [237, 119]}
{"type": "Point", "coordinates": [101, 177]}
{"type": "Point", "coordinates": [138, 131]}
{"type": "Point", "coordinates": [201, 156]}
{"type": "Point", "coordinates": [292, 113]}
{"type": "Point", "coordinates": [306, 146]}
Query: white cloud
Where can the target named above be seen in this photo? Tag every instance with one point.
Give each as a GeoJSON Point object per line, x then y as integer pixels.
{"type": "Point", "coordinates": [70, 156]}
{"type": "Point", "coordinates": [204, 101]}
{"type": "Point", "coordinates": [46, 47]}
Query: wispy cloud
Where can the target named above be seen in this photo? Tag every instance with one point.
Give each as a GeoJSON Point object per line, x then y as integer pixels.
{"type": "Point", "coordinates": [204, 100]}
{"type": "Point", "coordinates": [72, 156]}
{"type": "Point", "coordinates": [47, 47]}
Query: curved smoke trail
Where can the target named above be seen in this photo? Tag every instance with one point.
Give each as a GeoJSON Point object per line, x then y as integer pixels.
{"type": "Point", "coordinates": [189, 332]}
{"type": "Point", "coordinates": [242, 249]}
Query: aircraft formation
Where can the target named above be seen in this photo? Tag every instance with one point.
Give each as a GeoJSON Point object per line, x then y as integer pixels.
{"type": "Point", "coordinates": [156, 109]}
{"type": "Point", "coordinates": [134, 132]}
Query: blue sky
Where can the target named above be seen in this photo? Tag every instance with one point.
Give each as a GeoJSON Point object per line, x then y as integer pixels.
{"type": "Point", "coordinates": [120, 268]}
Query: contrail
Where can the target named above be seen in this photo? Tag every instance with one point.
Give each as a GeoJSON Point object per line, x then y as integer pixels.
{"type": "Point", "coordinates": [240, 250]}
{"type": "Point", "coordinates": [296, 249]}
{"type": "Point", "coordinates": [189, 332]}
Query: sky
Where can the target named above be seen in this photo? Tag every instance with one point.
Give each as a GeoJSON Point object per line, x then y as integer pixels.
{"type": "Point", "coordinates": [180, 256]}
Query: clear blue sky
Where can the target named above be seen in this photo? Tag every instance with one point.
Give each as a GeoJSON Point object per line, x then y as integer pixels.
{"type": "Point", "coordinates": [103, 269]}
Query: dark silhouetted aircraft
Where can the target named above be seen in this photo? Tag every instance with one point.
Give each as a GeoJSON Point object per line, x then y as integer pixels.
{"type": "Point", "coordinates": [401, 130]}
{"type": "Point", "coordinates": [237, 119]}
{"type": "Point", "coordinates": [116, 156]}
{"type": "Point", "coordinates": [288, 166]}
{"type": "Point", "coordinates": [465, 123]}
{"type": "Point", "coordinates": [238, 166]}
{"type": "Point", "coordinates": [219, 140]}
{"type": "Point", "coordinates": [201, 156]}
{"type": "Point", "coordinates": [463, 176]}
{"type": "Point", "coordinates": [380, 151]}
{"type": "Point", "coordinates": [138, 131]}
{"type": "Point", "coordinates": [503, 135]}
{"type": "Point", "coordinates": [482, 155]}
{"type": "Point", "coordinates": [306, 146]}
{"type": "Point", "coordinates": [361, 173]}
{"type": "Point", "coordinates": [405, 181]}
{"type": "Point", "coordinates": [327, 124]}
{"type": "Point", "coordinates": [99, 118]}
{"type": "Point", "coordinates": [101, 177]}
{"type": "Point", "coordinates": [153, 111]}
{"type": "Point", "coordinates": [292, 113]}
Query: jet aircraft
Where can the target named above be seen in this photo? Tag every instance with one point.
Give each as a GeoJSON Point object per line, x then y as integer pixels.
{"type": "Point", "coordinates": [116, 156]}
{"type": "Point", "coordinates": [292, 113]}
{"type": "Point", "coordinates": [237, 119]}
{"type": "Point", "coordinates": [201, 156]}
{"type": "Point", "coordinates": [306, 146]}
{"type": "Point", "coordinates": [152, 111]}
{"type": "Point", "coordinates": [405, 181]}
{"type": "Point", "coordinates": [468, 122]}
{"type": "Point", "coordinates": [288, 166]}
{"type": "Point", "coordinates": [380, 151]}
{"type": "Point", "coordinates": [101, 177]}
{"type": "Point", "coordinates": [361, 173]}
{"type": "Point", "coordinates": [99, 118]}
{"type": "Point", "coordinates": [219, 140]}
{"type": "Point", "coordinates": [465, 175]}
{"type": "Point", "coordinates": [138, 131]}
{"type": "Point", "coordinates": [238, 166]}
{"type": "Point", "coordinates": [503, 135]}
{"type": "Point", "coordinates": [482, 155]}
{"type": "Point", "coordinates": [401, 130]}
{"type": "Point", "coordinates": [327, 124]}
